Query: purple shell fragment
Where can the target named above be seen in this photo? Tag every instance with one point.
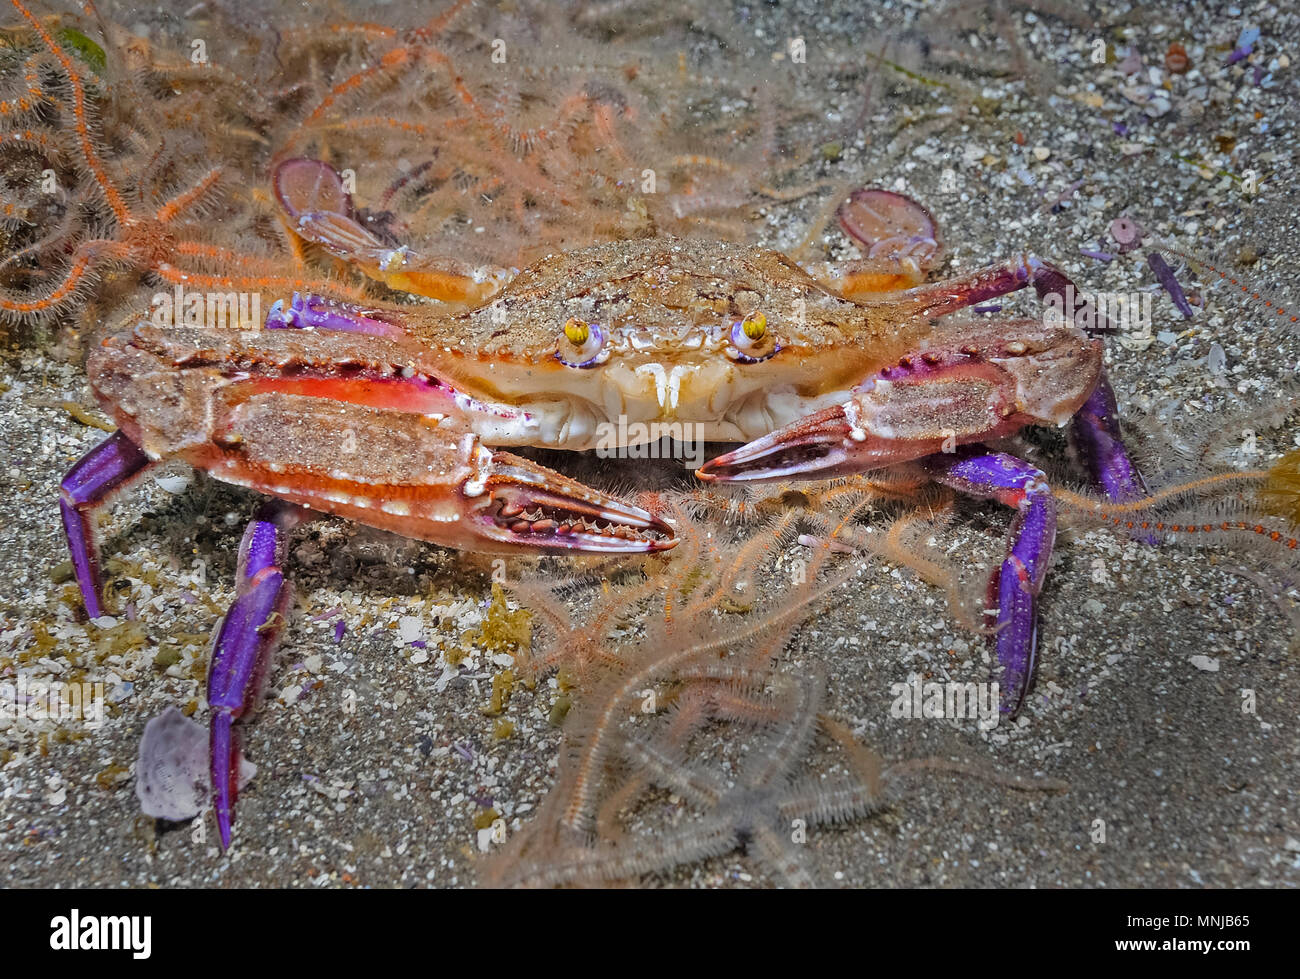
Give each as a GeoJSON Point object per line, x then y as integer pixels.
{"type": "Point", "coordinates": [1245, 45]}
{"type": "Point", "coordinates": [1165, 276]}
{"type": "Point", "coordinates": [1097, 254]}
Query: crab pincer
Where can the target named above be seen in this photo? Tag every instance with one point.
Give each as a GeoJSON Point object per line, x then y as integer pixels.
{"type": "Point", "coordinates": [535, 508]}
{"type": "Point", "coordinates": [987, 383]}
{"type": "Point", "coordinates": [933, 406]}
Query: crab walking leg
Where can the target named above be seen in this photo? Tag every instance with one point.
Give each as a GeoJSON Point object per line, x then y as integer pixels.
{"type": "Point", "coordinates": [96, 476]}
{"type": "Point", "coordinates": [1094, 429]}
{"type": "Point", "coordinates": [319, 209]}
{"type": "Point", "coordinates": [1019, 579]}
{"type": "Point", "coordinates": [898, 237]}
{"type": "Point", "coordinates": [1094, 432]}
{"type": "Point", "coordinates": [866, 278]}
{"type": "Point", "coordinates": [935, 299]}
{"type": "Point", "coordinates": [245, 640]}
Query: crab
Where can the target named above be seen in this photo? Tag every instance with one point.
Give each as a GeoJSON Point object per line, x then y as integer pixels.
{"type": "Point", "coordinates": [400, 416]}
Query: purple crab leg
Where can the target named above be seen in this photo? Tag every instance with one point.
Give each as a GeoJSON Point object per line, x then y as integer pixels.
{"type": "Point", "coordinates": [1019, 579]}
{"type": "Point", "coordinates": [241, 653]}
{"type": "Point", "coordinates": [1094, 429]}
{"type": "Point", "coordinates": [1094, 432]}
{"type": "Point", "coordinates": [87, 486]}
{"type": "Point", "coordinates": [935, 299]}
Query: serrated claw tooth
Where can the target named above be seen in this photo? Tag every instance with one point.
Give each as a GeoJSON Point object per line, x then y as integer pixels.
{"type": "Point", "coordinates": [534, 508]}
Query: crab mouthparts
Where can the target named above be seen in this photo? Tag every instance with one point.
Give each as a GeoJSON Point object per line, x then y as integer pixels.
{"type": "Point", "coordinates": [564, 515]}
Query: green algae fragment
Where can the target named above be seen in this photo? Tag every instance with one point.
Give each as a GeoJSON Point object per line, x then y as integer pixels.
{"type": "Point", "coordinates": [503, 685]}
{"type": "Point", "coordinates": [168, 655]}
{"type": "Point", "coordinates": [502, 630]}
{"type": "Point", "coordinates": [559, 709]}
{"type": "Point", "coordinates": [84, 48]}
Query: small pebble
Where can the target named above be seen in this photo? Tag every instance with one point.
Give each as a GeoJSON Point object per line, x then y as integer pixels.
{"type": "Point", "coordinates": [1157, 107]}
{"type": "Point", "coordinates": [173, 484]}
{"type": "Point", "coordinates": [1176, 59]}
{"type": "Point", "coordinates": [1217, 360]}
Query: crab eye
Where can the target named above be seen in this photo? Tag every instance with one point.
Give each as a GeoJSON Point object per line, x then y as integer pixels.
{"type": "Point", "coordinates": [582, 344]}
{"type": "Point", "coordinates": [750, 340]}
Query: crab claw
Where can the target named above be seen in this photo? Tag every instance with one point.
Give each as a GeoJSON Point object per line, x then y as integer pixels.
{"type": "Point", "coordinates": [980, 385]}
{"type": "Point", "coordinates": [526, 505]}
{"type": "Point", "coordinates": [885, 423]}
{"type": "Point", "coordinates": [823, 445]}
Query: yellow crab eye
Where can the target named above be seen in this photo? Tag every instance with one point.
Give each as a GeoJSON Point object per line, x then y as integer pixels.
{"type": "Point", "coordinates": [750, 340]}
{"type": "Point", "coordinates": [577, 331]}
{"type": "Point", "coordinates": [586, 344]}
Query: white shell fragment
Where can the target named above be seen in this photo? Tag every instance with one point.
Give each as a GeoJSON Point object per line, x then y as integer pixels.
{"type": "Point", "coordinates": [171, 774]}
{"type": "Point", "coordinates": [174, 485]}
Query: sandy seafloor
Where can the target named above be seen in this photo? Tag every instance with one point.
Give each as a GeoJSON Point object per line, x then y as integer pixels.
{"type": "Point", "coordinates": [1193, 791]}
